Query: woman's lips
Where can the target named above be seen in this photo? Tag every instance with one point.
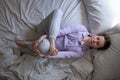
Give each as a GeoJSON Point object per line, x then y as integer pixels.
{"type": "Point", "coordinates": [90, 40]}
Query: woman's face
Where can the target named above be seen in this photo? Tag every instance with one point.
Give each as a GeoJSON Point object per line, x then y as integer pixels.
{"type": "Point", "coordinates": [96, 41]}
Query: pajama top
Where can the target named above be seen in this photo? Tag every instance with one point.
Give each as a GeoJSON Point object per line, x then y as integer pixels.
{"type": "Point", "coordinates": [68, 42]}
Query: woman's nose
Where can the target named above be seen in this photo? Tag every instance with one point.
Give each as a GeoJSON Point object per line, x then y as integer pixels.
{"type": "Point", "coordinates": [95, 40]}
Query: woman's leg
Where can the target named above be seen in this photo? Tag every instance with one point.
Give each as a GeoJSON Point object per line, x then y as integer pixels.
{"type": "Point", "coordinates": [28, 45]}
{"type": "Point", "coordinates": [53, 29]}
{"type": "Point", "coordinates": [25, 44]}
{"type": "Point", "coordinates": [54, 23]}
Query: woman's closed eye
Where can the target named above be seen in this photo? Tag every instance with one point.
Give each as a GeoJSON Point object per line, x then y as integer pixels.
{"type": "Point", "coordinates": [97, 38]}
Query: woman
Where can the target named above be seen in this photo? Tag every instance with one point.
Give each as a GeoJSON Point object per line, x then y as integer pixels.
{"type": "Point", "coordinates": [68, 42]}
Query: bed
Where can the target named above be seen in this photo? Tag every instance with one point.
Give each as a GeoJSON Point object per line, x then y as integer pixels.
{"type": "Point", "coordinates": [19, 19]}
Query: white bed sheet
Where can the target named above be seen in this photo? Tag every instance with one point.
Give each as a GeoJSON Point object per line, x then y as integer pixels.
{"type": "Point", "coordinates": [18, 19]}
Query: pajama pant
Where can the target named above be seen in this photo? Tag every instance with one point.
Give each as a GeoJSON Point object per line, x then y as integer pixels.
{"type": "Point", "coordinates": [53, 28]}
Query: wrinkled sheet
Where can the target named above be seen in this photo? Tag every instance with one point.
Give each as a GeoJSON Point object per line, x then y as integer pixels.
{"type": "Point", "coordinates": [19, 20]}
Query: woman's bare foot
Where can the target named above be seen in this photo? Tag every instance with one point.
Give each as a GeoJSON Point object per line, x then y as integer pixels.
{"type": "Point", "coordinates": [22, 44]}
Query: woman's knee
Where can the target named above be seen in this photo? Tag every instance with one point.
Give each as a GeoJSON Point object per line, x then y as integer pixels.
{"type": "Point", "coordinates": [44, 46]}
{"type": "Point", "coordinates": [58, 12]}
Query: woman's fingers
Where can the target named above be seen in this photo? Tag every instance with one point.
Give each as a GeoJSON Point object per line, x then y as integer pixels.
{"type": "Point", "coordinates": [35, 45]}
{"type": "Point", "coordinates": [39, 53]}
{"type": "Point", "coordinates": [56, 51]}
{"type": "Point", "coordinates": [53, 52]}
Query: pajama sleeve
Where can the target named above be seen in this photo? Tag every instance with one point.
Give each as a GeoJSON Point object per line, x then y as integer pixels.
{"type": "Point", "coordinates": [67, 54]}
{"type": "Point", "coordinates": [71, 29]}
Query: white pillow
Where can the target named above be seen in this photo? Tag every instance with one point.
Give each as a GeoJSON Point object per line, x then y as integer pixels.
{"type": "Point", "coordinates": [100, 15]}
{"type": "Point", "coordinates": [107, 63]}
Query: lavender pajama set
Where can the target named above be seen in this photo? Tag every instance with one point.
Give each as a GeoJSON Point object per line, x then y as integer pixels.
{"type": "Point", "coordinates": [67, 40]}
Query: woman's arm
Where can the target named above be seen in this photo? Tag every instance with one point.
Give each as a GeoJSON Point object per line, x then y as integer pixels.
{"type": "Point", "coordinates": [41, 38]}
{"type": "Point", "coordinates": [67, 54]}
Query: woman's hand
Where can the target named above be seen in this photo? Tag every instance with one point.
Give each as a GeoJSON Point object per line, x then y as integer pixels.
{"type": "Point", "coordinates": [38, 53]}
{"type": "Point", "coordinates": [36, 43]}
{"type": "Point", "coordinates": [53, 51]}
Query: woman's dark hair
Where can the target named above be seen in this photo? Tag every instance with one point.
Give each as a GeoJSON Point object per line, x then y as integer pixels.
{"type": "Point", "coordinates": [107, 41]}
